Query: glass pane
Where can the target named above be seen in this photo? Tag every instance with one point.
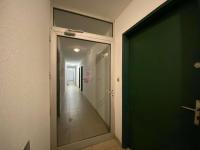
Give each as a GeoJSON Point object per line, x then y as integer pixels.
{"type": "Point", "coordinates": [74, 21]}
{"type": "Point", "coordinates": [83, 90]}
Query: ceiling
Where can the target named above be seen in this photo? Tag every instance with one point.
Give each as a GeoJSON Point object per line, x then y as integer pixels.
{"type": "Point", "coordinates": [68, 44]}
{"type": "Point", "coordinates": [105, 9]}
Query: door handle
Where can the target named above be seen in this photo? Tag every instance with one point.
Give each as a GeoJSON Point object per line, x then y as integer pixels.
{"type": "Point", "coordinates": [188, 108]}
{"type": "Point", "coordinates": [196, 110]}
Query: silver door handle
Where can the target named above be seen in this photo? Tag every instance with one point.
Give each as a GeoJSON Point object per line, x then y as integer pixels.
{"type": "Point", "coordinates": [188, 108]}
{"type": "Point", "coordinates": [196, 111]}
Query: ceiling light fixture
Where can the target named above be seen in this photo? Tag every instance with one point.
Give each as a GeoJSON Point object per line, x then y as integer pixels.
{"type": "Point", "coordinates": [105, 54]}
{"type": "Point", "coordinates": [77, 50]}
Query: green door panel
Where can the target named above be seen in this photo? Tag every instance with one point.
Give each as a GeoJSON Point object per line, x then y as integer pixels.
{"type": "Point", "coordinates": [159, 78]}
{"type": "Point", "coordinates": [155, 84]}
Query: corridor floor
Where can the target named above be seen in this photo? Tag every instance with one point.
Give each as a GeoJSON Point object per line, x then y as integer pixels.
{"type": "Point", "coordinates": [78, 119]}
{"type": "Point", "coordinates": [107, 145]}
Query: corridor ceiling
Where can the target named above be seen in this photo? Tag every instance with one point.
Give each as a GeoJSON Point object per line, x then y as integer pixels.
{"type": "Point", "coordinates": [68, 44]}
{"type": "Point", "coordinates": [103, 9]}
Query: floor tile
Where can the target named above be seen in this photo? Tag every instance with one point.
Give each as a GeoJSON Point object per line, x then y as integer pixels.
{"type": "Point", "coordinates": [78, 119]}
{"type": "Point", "coordinates": [107, 145]}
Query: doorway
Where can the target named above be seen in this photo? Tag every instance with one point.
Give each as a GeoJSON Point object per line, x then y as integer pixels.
{"type": "Point", "coordinates": [161, 79]}
{"type": "Point", "coordinates": [70, 75]}
{"type": "Point", "coordinates": [83, 86]}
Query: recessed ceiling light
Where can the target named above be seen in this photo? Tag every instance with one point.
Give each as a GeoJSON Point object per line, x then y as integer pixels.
{"type": "Point", "coordinates": [105, 54]}
{"type": "Point", "coordinates": [77, 50]}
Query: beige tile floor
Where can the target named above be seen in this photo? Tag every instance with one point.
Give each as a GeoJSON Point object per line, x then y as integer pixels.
{"type": "Point", "coordinates": [78, 120]}
{"type": "Point", "coordinates": [107, 145]}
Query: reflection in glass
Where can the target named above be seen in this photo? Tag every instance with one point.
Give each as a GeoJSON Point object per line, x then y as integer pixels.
{"type": "Point", "coordinates": [83, 90]}
{"type": "Point", "coordinates": [74, 21]}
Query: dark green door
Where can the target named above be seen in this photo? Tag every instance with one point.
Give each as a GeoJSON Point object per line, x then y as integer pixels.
{"type": "Point", "coordinates": [159, 77]}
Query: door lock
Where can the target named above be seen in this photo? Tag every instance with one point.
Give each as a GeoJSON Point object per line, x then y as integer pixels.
{"type": "Point", "coordinates": [197, 65]}
{"type": "Point", "coordinates": [196, 112]}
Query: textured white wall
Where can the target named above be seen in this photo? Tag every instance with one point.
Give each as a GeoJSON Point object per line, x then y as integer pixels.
{"type": "Point", "coordinates": [103, 85]}
{"type": "Point", "coordinates": [135, 11]}
{"type": "Point", "coordinates": [89, 76]}
{"type": "Point", "coordinates": [24, 80]}
{"type": "Point", "coordinates": [96, 81]}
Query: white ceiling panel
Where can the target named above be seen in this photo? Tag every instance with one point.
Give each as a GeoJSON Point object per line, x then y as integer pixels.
{"type": "Point", "coordinates": [102, 9]}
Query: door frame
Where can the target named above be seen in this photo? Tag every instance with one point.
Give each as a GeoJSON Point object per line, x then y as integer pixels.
{"type": "Point", "coordinates": [158, 12]}
{"type": "Point", "coordinates": [55, 32]}
{"type": "Point", "coordinates": [81, 78]}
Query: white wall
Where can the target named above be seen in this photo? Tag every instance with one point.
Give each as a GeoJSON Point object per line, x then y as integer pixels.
{"type": "Point", "coordinates": [135, 11]}
{"type": "Point", "coordinates": [103, 85]}
{"type": "Point", "coordinates": [24, 74]}
{"type": "Point", "coordinates": [89, 76]}
{"type": "Point", "coordinates": [96, 84]}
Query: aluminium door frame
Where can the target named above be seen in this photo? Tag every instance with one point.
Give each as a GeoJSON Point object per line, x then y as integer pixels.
{"type": "Point", "coordinates": [55, 33]}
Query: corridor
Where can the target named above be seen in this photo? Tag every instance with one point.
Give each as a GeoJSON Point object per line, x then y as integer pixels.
{"type": "Point", "coordinates": [78, 119]}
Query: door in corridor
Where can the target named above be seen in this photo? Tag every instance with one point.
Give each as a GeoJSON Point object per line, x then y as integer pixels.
{"type": "Point", "coordinates": [84, 101]}
{"type": "Point", "coordinates": [70, 73]}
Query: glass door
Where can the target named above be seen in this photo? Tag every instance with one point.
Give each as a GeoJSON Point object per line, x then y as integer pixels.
{"type": "Point", "coordinates": [83, 91]}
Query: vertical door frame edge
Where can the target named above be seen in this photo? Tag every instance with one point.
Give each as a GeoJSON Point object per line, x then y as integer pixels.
{"type": "Point", "coordinates": [55, 32]}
